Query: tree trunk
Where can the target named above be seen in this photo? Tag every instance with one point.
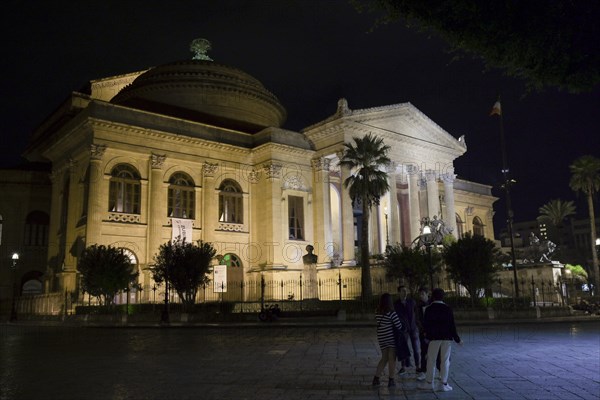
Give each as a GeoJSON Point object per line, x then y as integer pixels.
{"type": "Point", "coordinates": [593, 240]}
{"type": "Point", "coordinates": [367, 291]}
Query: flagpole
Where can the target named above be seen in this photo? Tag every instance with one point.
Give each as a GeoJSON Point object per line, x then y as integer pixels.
{"type": "Point", "coordinates": [509, 210]}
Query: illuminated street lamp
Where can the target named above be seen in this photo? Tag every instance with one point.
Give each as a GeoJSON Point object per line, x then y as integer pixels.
{"type": "Point", "coordinates": [428, 241]}
{"type": "Point", "coordinates": [13, 310]}
{"type": "Point", "coordinates": [387, 237]}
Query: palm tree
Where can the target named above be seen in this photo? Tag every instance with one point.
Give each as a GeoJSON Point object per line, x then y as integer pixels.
{"type": "Point", "coordinates": [366, 184]}
{"type": "Point", "coordinates": [586, 178]}
{"type": "Point", "coordinates": [555, 212]}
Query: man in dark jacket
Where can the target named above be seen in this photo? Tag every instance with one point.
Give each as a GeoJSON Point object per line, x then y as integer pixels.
{"type": "Point", "coordinates": [422, 303]}
{"type": "Point", "coordinates": [405, 308]}
{"type": "Point", "coordinates": [440, 330]}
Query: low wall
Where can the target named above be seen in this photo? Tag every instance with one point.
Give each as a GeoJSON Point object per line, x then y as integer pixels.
{"type": "Point", "coordinates": [508, 314]}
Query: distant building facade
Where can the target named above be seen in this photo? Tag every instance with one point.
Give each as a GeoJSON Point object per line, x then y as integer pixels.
{"type": "Point", "coordinates": [573, 239]}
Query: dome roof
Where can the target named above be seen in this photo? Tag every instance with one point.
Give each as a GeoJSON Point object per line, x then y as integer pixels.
{"type": "Point", "coordinates": [204, 91]}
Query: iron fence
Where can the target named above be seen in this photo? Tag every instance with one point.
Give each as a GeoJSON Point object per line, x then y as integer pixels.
{"type": "Point", "coordinates": [295, 293]}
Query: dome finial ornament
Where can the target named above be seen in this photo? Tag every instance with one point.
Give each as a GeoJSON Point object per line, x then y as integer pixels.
{"type": "Point", "coordinates": [200, 47]}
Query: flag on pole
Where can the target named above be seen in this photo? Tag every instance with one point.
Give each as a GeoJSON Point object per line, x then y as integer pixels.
{"type": "Point", "coordinates": [496, 109]}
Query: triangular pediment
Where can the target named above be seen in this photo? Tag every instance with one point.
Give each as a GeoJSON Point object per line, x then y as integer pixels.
{"type": "Point", "coordinates": [405, 123]}
{"type": "Point", "coordinates": [404, 127]}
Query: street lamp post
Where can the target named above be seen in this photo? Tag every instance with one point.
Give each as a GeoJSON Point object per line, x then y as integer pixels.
{"type": "Point", "coordinates": [336, 260]}
{"type": "Point", "coordinates": [428, 241]}
{"type": "Point", "coordinates": [13, 310]}
{"type": "Point", "coordinates": [164, 318]}
{"type": "Point", "coordinates": [387, 237]}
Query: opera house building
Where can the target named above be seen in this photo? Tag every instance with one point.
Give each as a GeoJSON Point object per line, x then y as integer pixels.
{"type": "Point", "coordinates": [198, 149]}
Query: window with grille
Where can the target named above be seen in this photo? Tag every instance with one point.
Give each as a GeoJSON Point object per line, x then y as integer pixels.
{"type": "Point", "coordinates": [460, 229]}
{"type": "Point", "coordinates": [124, 192]}
{"type": "Point", "coordinates": [181, 196]}
{"type": "Point", "coordinates": [296, 217]}
{"type": "Point", "coordinates": [36, 229]}
{"type": "Point", "coordinates": [477, 226]}
{"type": "Point", "coordinates": [231, 202]}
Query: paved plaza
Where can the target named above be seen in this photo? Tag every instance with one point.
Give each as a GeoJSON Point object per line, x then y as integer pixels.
{"type": "Point", "coordinates": [274, 361]}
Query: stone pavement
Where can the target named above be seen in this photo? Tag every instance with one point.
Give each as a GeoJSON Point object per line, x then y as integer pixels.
{"type": "Point", "coordinates": [288, 361]}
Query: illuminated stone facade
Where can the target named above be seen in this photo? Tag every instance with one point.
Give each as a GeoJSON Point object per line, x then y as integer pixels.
{"type": "Point", "coordinates": [129, 159]}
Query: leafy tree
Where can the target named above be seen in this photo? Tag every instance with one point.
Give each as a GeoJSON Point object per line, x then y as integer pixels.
{"type": "Point", "coordinates": [105, 271]}
{"type": "Point", "coordinates": [366, 184]}
{"type": "Point", "coordinates": [577, 272]}
{"type": "Point", "coordinates": [585, 177]}
{"type": "Point", "coordinates": [410, 264]}
{"type": "Point", "coordinates": [472, 262]}
{"type": "Point", "coordinates": [184, 266]}
{"type": "Point", "coordinates": [549, 44]}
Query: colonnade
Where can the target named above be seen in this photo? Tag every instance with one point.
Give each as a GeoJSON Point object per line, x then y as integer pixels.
{"type": "Point", "coordinates": [424, 200]}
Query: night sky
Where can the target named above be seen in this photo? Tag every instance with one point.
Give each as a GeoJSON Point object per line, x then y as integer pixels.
{"type": "Point", "coordinates": [309, 54]}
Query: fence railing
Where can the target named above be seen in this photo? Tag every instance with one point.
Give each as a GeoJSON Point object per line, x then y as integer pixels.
{"type": "Point", "coordinates": [499, 294]}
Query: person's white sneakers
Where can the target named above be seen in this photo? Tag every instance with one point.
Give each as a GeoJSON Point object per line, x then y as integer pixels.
{"type": "Point", "coordinates": [421, 376]}
{"type": "Point", "coordinates": [425, 385]}
{"type": "Point", "coordinates": [443, 387]}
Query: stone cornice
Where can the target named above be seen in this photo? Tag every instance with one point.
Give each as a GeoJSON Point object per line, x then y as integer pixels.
{"type": "Point", "coordinates": [160, 135]}
{"type": "Point", "coordinates": [267, 150]}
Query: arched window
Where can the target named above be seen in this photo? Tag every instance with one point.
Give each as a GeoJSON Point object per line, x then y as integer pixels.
{"type": "Point", "coordinates": [132, 289]}
{"type": "Point", "coordinates": [36, 229]}
{"type": "Point", "coordinates": [231, 260]}
{"type": "Point", "coordinates": [230, 202]}
{"type": "Point", "coordinates": [124, 193]}
{"type": "Point", "coordinates": [477, 226]}
{"type": "Point", "coordinates": [460, 228]}
{"type": "Point", "coordinates": [181, 196]}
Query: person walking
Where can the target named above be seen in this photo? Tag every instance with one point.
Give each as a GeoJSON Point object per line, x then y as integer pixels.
{"type": "Point", "coordinates": [440, 330]}
{"type": "Point", "coordinates": [422, 303]}
{"type": "Point", "coordinates": [388, 328]}
{"type": "Point", "coordinates": [405, 308]}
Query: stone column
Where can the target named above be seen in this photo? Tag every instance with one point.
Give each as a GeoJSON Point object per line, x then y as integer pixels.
{"type": "Point", "coordinates": [393, 210]}
{"type": "Point", "coordinates": [433, 194]}
{"type": "Point", "coordinates": [70, 273]}
{"type": "Point", "coordinates": [210, 201]}
{"type": "Point", "coordinates": [322, 210]}
{"type": "Point", "coordinates": [95, 199]}
{"type": "Point", "coordinates": [450, 218]}
{"type": "Point", "coordinates": [347, 220]}
{"type": "Point", "coordinates": [275, 209]}
{"type": "Point", "coordinates": [54, 259]}
{"type": "Point", "coordinates": [157, 212]}
{"type": "Point", "coordinates": [413, 201]}
{"type": "Point", "coordinates": [376, 229]}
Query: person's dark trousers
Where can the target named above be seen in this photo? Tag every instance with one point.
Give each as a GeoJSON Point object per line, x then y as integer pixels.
{"type": "Point", "coordinates": [424, 347]}
{"type": "Point", "coordinates": [415, 342]}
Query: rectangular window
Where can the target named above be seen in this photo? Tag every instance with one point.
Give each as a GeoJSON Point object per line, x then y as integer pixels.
{"type": "Point", "coordinates": [296, 217]}
{"type": "Point", "coordinates": [181, 203]}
